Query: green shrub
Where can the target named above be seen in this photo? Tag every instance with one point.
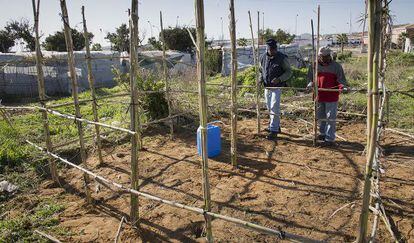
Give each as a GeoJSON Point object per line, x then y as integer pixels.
{"type": "Point", "coordinates": [395, 58]}
{"type": "Point", "coordinates": [20, 229]}
{"type": "Point", "coordinates": [154, 104]}
{"type": "Point", "coordinates": [248, 78]}
{"type": "Point", "coordinates": [343, 56]}
{"type": "Point", "coordinates": [12, 153]}
{"type": "Point", "coordinates": [214, 60]}
{"type": "Point", "coordinates": [299, 78]}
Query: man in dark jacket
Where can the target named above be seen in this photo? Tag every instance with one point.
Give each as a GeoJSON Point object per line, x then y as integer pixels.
{"type": "Point", "coordinates": [330, 76]}
{"type": "Point", "coordinates": [275, 70]}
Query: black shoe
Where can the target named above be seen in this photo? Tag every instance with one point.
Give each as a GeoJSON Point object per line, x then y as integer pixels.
{"type": "Point", "coordinates": [321, 137]}
{"type": "Point", "coordinates": [330, 144]}
{"type": "Point", "coordinates": [271, 136]}
{"type": "Point", "coordinates": [268, 130]}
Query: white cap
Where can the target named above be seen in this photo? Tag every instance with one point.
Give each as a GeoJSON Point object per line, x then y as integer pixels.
{"type": "Point", "coordinates": [324, 51]}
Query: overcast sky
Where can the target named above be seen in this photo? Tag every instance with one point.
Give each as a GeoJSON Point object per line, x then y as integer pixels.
{"type": "Point", "coordinates": [104, 15]}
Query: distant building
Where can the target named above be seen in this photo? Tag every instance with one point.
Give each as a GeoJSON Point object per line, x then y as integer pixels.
{"type": "Point", "coordinates": [409, 41]}
{"type": "Point", "coordinates": [397, 30]}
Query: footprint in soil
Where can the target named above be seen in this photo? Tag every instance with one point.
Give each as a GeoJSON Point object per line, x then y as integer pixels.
{"type": "Point", "coordinates": [120, 155]}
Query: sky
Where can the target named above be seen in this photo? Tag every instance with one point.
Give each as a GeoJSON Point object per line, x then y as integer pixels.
{"type": "Point", "coordinates": [104, 16]}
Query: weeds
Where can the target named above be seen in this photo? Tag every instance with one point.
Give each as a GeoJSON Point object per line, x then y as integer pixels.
{"type": "Point", "coordinates": [20, 227]}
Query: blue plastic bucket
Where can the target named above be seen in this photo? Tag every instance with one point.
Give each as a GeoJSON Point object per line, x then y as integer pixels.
{"type": "Point", "coordinates": [213, 141]}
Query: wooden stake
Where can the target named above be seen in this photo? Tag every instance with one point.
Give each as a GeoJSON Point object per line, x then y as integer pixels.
{"type": "Point", "coordinates": [201, 72]}
{"type": "Point", "coordinates": [257, 73]}
{"type": "Point", "coordinates": [71, 63]}
{"type": "Point", "coordinates": [135, 126]}
{"type": "Point", "coordinates": [42, 93]}
{"type": "Point", "coordinates": [233, 150]}
{"type": "Point", "coordinates": [315, 82]}
{"type": "Point", "coordinates": [374, 8]}
{"type": "Point", "coordinates": [165, 72]}
{"type": "Point", "coordinates": [49, 237]}
{"type": "Point", "coordinates": [92, 87]}
{"type": "Point", "coordinates": [256, 65]}
{"type": "Point", "coordinates": [118, 232]}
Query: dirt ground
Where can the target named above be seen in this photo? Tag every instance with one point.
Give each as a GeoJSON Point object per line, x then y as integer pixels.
{"type": "Point", "coordinates": [289, 185]}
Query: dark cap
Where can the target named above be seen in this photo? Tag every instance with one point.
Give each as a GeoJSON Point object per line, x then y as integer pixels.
{"type": "Point", "coordinates": [271, 43]}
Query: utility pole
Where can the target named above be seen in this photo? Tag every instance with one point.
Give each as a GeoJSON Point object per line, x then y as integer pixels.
{"type": "Point", "coordinates": [263, 29]}
{"type": "Point", "coordinates": [222, 32]}
{"type": "Point", "coordinates": [150, 25]}
{"type": "Point", "coordinates": [296, 25]}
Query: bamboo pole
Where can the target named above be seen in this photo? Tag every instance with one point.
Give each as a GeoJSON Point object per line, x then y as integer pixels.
{"type": "Point", "coordinates": [118, 232]}
{"type": "Point", "coordinates": [71, 64]}
{"type": "Point", "coordinates": [233, 150]}
{"type": "Point", "coordinates": [201, 72]}
{"type": "Point", "coordinates": [67, 116]}
{"type": "Point", "coordinates": [256, 65]}
{"type": "Point", "coordinates": [49, 237]}
{"type": "Point", "coordinates": [374, 8]}
{"type": "Point", "coordinates": [165, 73]}
{"type": "Point", "coordinates": [92, 88]}
{"type": "Point", "coordinates": [135, 126]}
{"type": "Point", "coordinates": [163, 119]}
{"type": "Point", "coordinates": [42, 93]}
{"type": "Point", "coordinates": [315, 81]}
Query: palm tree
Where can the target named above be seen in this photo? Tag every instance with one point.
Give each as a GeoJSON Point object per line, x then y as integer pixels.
{"type": "Point", "coordinates": [401, 40]}
{"type": "Point", "coordinates": [363, 20]}
{"type": "Point", "coordinates": [343, 39]}
{"type": "Point", "coordinates": [242, 42]}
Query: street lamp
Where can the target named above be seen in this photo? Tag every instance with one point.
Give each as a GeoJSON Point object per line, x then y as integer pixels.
{"type": "Point", "coordinates": [296, 25]}
{"type": "Point", "coordinates": [150, 27]}
{"type": "Point", "coordinates": [222, 32]}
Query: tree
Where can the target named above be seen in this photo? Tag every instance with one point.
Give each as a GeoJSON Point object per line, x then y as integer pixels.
{"type": "Point", "coordinates": [22, 30]}
{"type": "Point", "coordinates": [177, 38]}
{"type": "Point", "coordinates": [56, 42]}
{"type": "Point", "coordinates": [281, 36]}
{"type": "Point", "coordinates": [342, 39]}
{"type": "Point", "coordinates": [6, 41]}
{"type": "Point", "coordinates": [242, 42]}
{"type": "Point", "coordinates": [96, 47]}
{"type": "Point", "coordinates": [119, 39]}
{"type": "Point", "coordinates": [156, 44]}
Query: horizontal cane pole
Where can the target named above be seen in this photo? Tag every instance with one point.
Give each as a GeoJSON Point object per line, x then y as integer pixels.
{"type": "Point", "coordinates": [164, 119]}
{"type": "Point", "coordinates": [67, 116]}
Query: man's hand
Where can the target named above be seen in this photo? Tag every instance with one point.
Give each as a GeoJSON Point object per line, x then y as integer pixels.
{"type": "Point", "coordinates": [309, 87]}
{"type": "Point", "coordinates": [274, 81]}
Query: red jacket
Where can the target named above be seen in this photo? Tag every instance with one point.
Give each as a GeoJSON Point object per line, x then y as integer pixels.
{"type": "Point", "coordinates": [330, 76]}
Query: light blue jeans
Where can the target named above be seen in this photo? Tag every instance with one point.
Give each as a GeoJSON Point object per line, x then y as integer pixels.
{"type": "Point", "coordinates": [272, 97]}
{"type": "Point", "coordinates": [327, 110]}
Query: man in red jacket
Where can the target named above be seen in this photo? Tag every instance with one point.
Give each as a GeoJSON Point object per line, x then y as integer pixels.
{"type": "Point", "coordinates": [330, 76]}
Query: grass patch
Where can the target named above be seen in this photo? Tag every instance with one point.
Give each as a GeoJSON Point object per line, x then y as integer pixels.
{"type": "Point", "coordinates": [44, 216]}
